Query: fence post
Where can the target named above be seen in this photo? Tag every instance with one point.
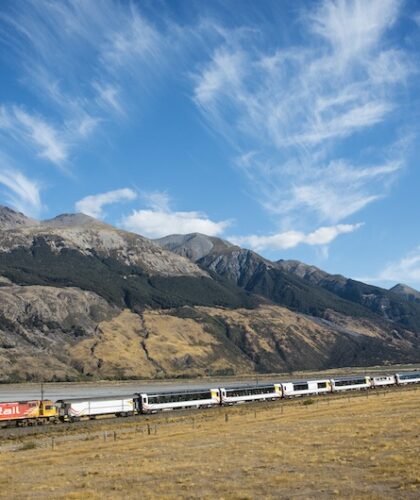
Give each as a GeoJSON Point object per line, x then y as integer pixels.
{"type": "Point", "coordinates": [52, 443]}
{"type": "Point", "coordinates": [105, 436]}
{"type": "Point", "coordinates": [226, 417]}
{"type": "Point", "coordinates": [115, 436]}
{"type": "Point", "coordinates": [148, 429]}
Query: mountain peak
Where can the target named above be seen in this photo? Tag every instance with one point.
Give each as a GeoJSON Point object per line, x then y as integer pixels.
{"type": "Point", "coordinates": [11, 219]}
{"type": "Point", "coordinates": [194, 246]}
{"type": "Point", "coordinates": [72, 220]}
{"type": "Point", "coordinates": [406, 292]}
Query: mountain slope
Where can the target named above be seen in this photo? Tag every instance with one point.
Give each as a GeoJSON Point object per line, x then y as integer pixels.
{"type": "Point", "coordinates": [384, 303]}
{"type": "Point", "coordinates": [194, 246]}
{"type": "Point", "coordinates": [80, 299]}
{"type": "Point", "coordinates": [50, 333]}
{"type": "Point", "coordinates": [9, 219]}
{"type": "Point", "coordinates": [406, 292]}
{"type": "Point", "coordinates": [124, 268]}
{"type": "Point", "coordinates": [293, 284]}
{"type": "Point", "coordinates": [90, 237]}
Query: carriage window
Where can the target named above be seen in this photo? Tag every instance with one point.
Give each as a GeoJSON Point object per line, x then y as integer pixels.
{"type": "Point", "coordinates": [408, 376]}
{"type": "Point", "coordinates": [250, 391]}
{"type": "Point", "coordinates": [300, 387]}
{"type": "Point", "coordinates": [322, 385]}
{"type": "Point", "coordinates": [341, 383]}
{"type": "Point", "coordinates": [178, 397]}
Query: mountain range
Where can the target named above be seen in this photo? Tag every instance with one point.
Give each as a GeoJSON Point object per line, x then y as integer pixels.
{"type": "Point", "coordinates": [81, 299]}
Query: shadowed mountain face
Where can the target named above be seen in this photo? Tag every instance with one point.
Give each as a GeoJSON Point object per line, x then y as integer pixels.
{"type": "Point", "coordinates": [297, 285]}
{"type": "Point", "coordinates": [80, 299]}
{"type": "Point", "coordinates": [391, 304]}
{"type": "Point", "coordinates": [123, 268]}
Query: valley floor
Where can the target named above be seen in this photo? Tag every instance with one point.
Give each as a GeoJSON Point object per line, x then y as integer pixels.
{"type": "Point", "coordinates": [360, 446]}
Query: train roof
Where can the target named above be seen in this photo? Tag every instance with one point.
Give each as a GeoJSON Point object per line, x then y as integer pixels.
{"type": "Point", "coordinates": [186, 391]}
{"type": "Point", "coordinates": [95, 398]}
{"type": "Point", "coordinates": [351, 377]}
{"type": "Point", "coordinates": [305, 380]}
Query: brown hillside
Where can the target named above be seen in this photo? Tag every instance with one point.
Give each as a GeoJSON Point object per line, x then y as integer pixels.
{"type": "Point", "coordinates": [49, 333]}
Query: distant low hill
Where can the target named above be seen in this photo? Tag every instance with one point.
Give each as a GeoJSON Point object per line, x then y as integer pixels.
{"type": "Point", "coordinates": [80, 299]}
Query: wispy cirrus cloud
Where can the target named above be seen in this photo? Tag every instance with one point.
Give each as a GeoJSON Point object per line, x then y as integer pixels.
{"type": "Point", "coordinates": [404, 270]}
{"type": "Point", "coordinates": [330, 192]}
{"type": "Point", "coordinates": [84, 61]}
{"type": "Point", "coordinates": [158, 219]}
{"type": "Point", "coordinates": [18, 190]}
{"type": "Point", "coordinates": [292, 112]}
{"type": "Point", "coordinates": [93, 205]}
{"type": "Point", "coordinates": [290, 239]}
{"type": "Point", "coordinates": [48, 142]}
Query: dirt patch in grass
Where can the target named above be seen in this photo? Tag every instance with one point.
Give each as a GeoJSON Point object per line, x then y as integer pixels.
{"type": "Point", "coordinates": [360, 447]}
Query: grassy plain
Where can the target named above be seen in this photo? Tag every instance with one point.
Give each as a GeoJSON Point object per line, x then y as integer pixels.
{"type": "Point", "coordinates": [358, 446]}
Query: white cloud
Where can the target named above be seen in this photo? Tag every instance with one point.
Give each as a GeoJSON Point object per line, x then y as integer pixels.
{"type": "Point", "coordinates": [42, 135]}
{"type": "Point", "coordinates": [156, 200]}
{"type": "Point", "coordinates": [93, 205]}
{"type": "Point", "coordinates": [290, 111]}
{"type": "Point", "coordinates": [290, 239]}
{"type": "Point", "coordinates": [344, 124]}
{"type": "Point", "coordinates": [224, 72]}
{"type": "Point", "coordinates": [134, 40]}
{"type": "Point", "coordinates": [406, 270]}
{"type": "Point", "coordinates": [158, 223]}
{"type": "Point", "coordinates": [22, 193]}
{"type": "Point", "coordinates": [51, 142]}
{"type": "Point", "coordinates": [353, 27]}
{"type": "Point", "coordinates": [108, 96]}
{"type": "Point", "coordinates": [113, 47]}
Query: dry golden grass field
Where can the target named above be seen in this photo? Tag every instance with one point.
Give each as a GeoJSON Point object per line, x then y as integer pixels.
{"type": "Point", "coordinates": [348, 447]}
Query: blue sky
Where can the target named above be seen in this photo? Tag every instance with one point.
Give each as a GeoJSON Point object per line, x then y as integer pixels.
{"type": "Point", "coordinates": [287, 127]}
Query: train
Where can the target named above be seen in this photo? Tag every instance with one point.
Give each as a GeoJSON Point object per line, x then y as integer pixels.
{"type": "Point", "coordinates": [38, 412]}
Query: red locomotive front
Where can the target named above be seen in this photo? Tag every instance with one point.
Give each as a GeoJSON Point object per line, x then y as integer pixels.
{"type": "Point", "coordinates": [18, 410]}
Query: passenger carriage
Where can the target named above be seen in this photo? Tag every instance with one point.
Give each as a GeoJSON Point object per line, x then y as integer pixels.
{"type": "Point", "coordinates": [407, 378]}
{"type": "Point", "coordinates": [151, 403]}
{"type": "Point", "coordinates": [303, 387]}
{"type": "Point", "coordinates": [232, 395]}
{"type": "Point", "coordinates": [382, 380]}
{"type": "Point", "coordinates": [350, 383]}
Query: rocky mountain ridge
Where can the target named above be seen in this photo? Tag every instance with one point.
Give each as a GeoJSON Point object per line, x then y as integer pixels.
{"type": "Point", "coordinates": [297, 285]}
{"type": "Point", "coordinates": [91, 237]}
{"type": "Point", "coordinates": [80, 299]}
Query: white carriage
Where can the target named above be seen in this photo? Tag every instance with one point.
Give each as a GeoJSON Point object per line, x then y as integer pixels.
{"type": "Point", "coordinates": [232, 395]}
{"type": "Point", "coordinates": [77, 409]}
{"type": "Point", "coordinates": [151, 403]}
{"type": "Point", "coordinates": [350, 383]}
{"type": "Point", "coordinates": [303, 387]}
{"type": "Point", "coordinates": [408, 378]}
